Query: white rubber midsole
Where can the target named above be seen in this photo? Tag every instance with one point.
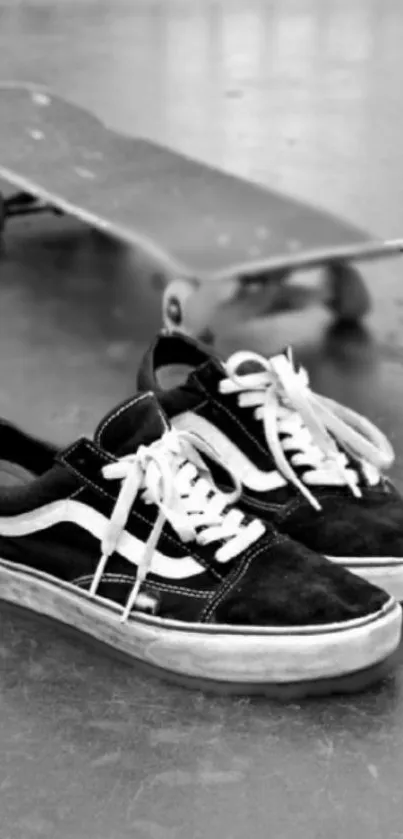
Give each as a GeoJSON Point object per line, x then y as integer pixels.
{"type": "Point", "coordinates": [384, 572]}
{"type": "Point", "coordinates": [224, 653]}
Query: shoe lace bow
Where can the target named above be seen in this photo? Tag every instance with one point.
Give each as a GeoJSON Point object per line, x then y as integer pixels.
{"type": "Point", "coordinates": [322, 435]}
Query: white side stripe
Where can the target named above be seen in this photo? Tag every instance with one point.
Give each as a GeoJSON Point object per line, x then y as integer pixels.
{"type": "Point", "coordinates": [74, 512]}
{"type": "Point", "coordinates": [227, 452]}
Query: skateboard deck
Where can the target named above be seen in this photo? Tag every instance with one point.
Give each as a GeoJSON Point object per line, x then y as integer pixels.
{"type": "Point", "coordinates": [195, 221]}
{"type": "Point", "coordinates": [198, 220]}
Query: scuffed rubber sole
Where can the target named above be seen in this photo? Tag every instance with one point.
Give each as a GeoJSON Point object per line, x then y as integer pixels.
{"type": "Point", "coordinates": [279, 662]}
{"type": "Point", "coordinates": [282, 692]}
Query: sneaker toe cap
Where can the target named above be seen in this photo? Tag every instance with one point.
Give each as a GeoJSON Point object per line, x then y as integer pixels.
{"type": "Point", "coordinates": [289, 585]}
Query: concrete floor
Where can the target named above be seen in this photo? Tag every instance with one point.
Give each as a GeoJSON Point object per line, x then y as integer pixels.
{"type": "Point", "coordinates": [301, 94]}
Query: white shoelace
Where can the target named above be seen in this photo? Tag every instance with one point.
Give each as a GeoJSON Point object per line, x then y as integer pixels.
{"type": "Point", "coordinates": [170, 474]}
{"type": "Point", "coordinates": [314, 427]}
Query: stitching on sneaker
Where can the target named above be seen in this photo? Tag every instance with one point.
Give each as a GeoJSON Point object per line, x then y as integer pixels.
{"type": "Point", "coordinates": [176, 542]}
{"type": "Point", "coordinates": [227, 587]}
{"type": "Point", "coordinates": [299, 502]}
{"type": "Point", "coordinates": [202, 404]}
{"type": "Point", "coordinates": [119, 411]}
{"type": "Point", "coordinates": [121, 578]}
{"type": "Point", "coordinates": [88, 483]}
{"type": "Point", "coordinates": [267, 506]}
{"type": "Point", "coordinates": [164, 587]}
{"type": "Point", "coordinates": [122, 409]}
{"type": "Point", "coordinates": [230, 584]}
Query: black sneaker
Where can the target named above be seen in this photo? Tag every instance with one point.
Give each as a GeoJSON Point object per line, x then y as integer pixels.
{"type": "Point", "coordinates": [126, 538]}
{"type": "Point", "coordinates": [308, 464]}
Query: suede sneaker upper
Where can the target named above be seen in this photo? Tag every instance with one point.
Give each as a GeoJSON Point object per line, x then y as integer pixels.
{"type": "Point", "coordinates": [307, 463]}
{"type": "Point", "coordinates": [127, 538]}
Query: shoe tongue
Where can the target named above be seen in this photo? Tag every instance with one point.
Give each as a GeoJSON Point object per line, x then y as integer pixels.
{"type": "Point", "coordinates": [139, 421]}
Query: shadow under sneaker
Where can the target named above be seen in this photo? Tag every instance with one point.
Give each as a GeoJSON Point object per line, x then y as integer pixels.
{"type": "Point", "coordinates": [307, 464]}
{"type": "Point", "coordinates": [126, 538]}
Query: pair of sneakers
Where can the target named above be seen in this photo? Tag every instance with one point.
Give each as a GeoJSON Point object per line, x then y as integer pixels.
{"type": "Point", "coordinates": [234, 532]}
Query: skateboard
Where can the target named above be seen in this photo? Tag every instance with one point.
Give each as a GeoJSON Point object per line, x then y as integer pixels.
{"type": "Point", "coordinates": [212, 237]}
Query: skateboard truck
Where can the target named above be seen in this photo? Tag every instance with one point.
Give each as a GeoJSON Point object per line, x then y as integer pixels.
{"type": "Point", "coordinates": [189, 306]}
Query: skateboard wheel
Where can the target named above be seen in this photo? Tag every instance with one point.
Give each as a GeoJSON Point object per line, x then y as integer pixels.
{"type": "Point", "coordinates": [174, 306]}
{"type": "Point", "coordinates": [185, 309]}
{"type": "Point", "coordinates": [347, 295]}
{"type": "Point", "coordinates": [173, 312]}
